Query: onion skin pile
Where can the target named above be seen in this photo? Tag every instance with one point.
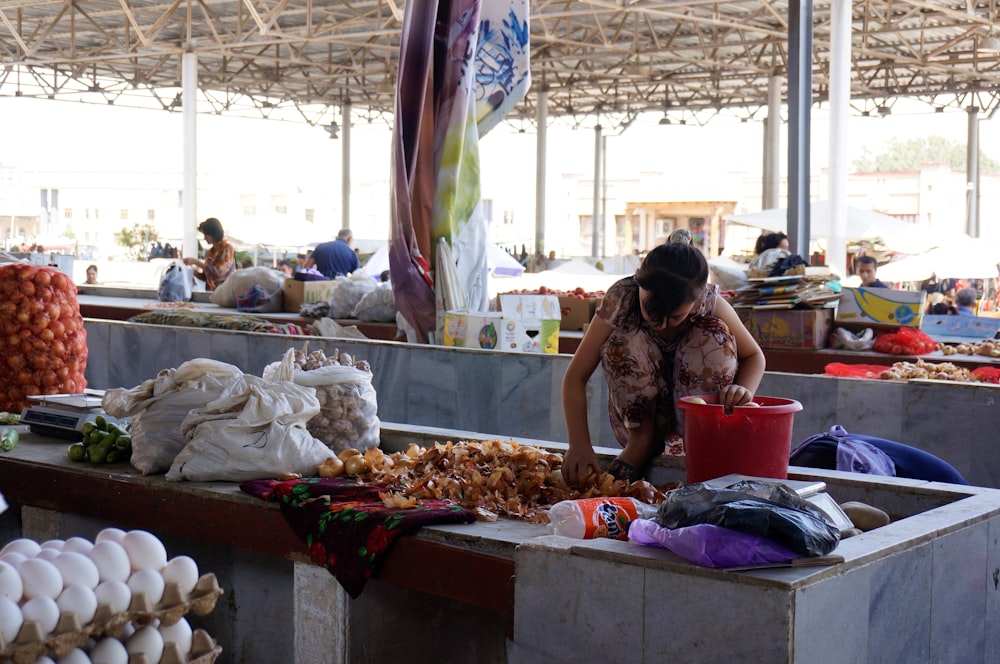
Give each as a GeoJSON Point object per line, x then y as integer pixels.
{"type": "Point", "coordinates": [43, 344]}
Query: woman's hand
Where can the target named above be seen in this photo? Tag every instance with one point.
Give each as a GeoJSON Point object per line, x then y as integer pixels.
{"type": "Point", "coordinates": [734, 395]}
{"type": "Point", "coordinates": [579, 464]}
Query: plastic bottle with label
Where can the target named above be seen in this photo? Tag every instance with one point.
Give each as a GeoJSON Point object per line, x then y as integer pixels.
{"type": "Point", "coordinates": [589, 518]}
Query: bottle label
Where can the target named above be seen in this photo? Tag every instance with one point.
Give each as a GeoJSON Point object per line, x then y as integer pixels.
{"type": "Point", "coordinates": [607, 517]}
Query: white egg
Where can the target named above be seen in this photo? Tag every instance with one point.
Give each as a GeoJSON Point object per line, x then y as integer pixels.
{"type": "Point", "coordinates": [10, 620]}
{"type": "Point", "coordinates": [48, 554]}
{"type": "Point", "coordinates": [41, 579]}
{"type": "Point", "coordinates": [109, 651]}
{"type": "Point", "coordinates": [78, 545]}
{"type": "Point", "coordinates": [146, 640]}
{"type": "Point", "coordinates": [110, 534]}
{"type": "Point", "coordinates": [128, 629]}
{"type": "Point", "coordinates": [44, 611]}
{"type": "Point", "coordinates": [75, 656]}
{"type": "Point", "coordinates": [11, 586]}
{"type": "Point", "coordinates": [183, 571]}
{"type": "Point", "coordinates": [77, 568]}
{"type": "Point", "coordinates": [13, 558]}
{"type": "Point", "coordinates": [148, 582]}
{"type": "Point", "coordinates": [111, 560]}
{"type": "Point", "coordinates": [56, 544]}
{"type": "Point", "coordinates": [25, 546]}
{"type": "Point", "coordinates": [79, 599]}
{"type": "Point", "coordinates": [115, 594]}
{"type": "Point", "coordinates": [179, 633]}
{"type": "Point", "coordinates": [145, 550]}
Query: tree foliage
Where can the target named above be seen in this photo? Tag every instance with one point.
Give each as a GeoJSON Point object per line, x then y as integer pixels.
{"type": "Point", "coordinates": [910, 154]}
{"type": "Point", "coordinates": [137, 239]}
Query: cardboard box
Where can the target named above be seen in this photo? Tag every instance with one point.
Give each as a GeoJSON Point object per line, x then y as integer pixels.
{"type": "Point", "coordinates": [297, 293]}
{"type": "Point", "coordinates": [799, 329]}
{"type": "Point", "coordinates": [472, 329]}
{"type": "Point", "coordinates": [881, 306]}
{"type": "Point", "coordinates": [576, 312]}
{"type": "Point", "coordinates": [959, 329]}
{"type": "Point", "coordinates": [530, 323]}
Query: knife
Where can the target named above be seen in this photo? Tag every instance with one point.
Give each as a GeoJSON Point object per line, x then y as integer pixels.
{"type": "Point", "coordinates": [809, 561]}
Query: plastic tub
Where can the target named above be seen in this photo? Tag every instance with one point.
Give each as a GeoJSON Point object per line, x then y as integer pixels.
{"type": "Point", "coordinates": [752, 441]}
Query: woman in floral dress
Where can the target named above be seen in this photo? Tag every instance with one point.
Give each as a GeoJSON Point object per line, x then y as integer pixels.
{"type": "Point", "coordinates": [658, 336]}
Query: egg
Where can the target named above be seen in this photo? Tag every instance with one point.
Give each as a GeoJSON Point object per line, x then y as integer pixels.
{"type": "Point", "coordinates": [110, 534]}
{"type": "Point", "coordinates": [114, 594]}
{"type": "Point", "coordinates": [10, 620]}
{"type": "Point", "coordinates": [183, 571]}
{"type": "Point", "coordinates": [11, 586]}
{"type": "Point", "coordinates": [45, 659]}
{"type": "Point", "coordinates": [40, 578]}
{"type": "Point", "coordinates": [109, 651]}
{"type": "Point", "coordinates": [48, 554]}
{"type": "Point", "coordinates": [28, 547]}
{"type": "Point", "coordinates": [78, 545]}
{"type": "Point", "coordinates": [74, 656]}
{"type": "Point", "coordinates": [146, 640]}
{"type": "Point", "coordinates": [145, 550]}
{"type": "Point", "coordinates": [179, 633]}
{"type": "Point", "coordinates": [79, 599]}
{"type": "Point", "coordinates": [13, 558]}
{"type": "Point", "coordinates": [77, 568]}
{"type": "Point", "coordinates": [128, 629]}
{"type": "Point", "coordinates": [111, 560]}
{"type": "Point", "coordinates": [42, 610]}
{"type": "Point", "coordinates": [56, 544]}
{"type": "Point", "coordinates": [148, 582]}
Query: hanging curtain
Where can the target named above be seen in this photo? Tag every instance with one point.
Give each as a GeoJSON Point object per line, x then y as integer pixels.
{"type": "Point", "coordinates": [462, 67]}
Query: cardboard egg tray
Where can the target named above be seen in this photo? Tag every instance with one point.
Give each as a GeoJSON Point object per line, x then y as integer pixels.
{"type": "Point", "coordinates": [31, 643]}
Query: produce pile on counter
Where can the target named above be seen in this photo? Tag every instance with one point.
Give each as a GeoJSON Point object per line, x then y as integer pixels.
{"type": "Point", "coordinates": [43, 349]}
{"type": "Point", "coordinates": [491, 478]}
{"type": "Point", "coordinates": [117, 599]}
{"type": "Point", "coordinates": [984, 347]}
{"type": "Point", "coordinates": [918, 370]}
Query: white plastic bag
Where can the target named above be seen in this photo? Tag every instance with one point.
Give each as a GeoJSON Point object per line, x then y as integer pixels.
{"type": "Point", "coordinates": [240, 281]}
{"type": "Point", "coordinates": [159, 405]}
{"type": "Point", "coordinates": [175, 284]}
{"type": "Point", "coordinates": [348, 415]}
{"type": "Point", "coordinates": [348, 292]}
{"type": "Point", "coordinates": [377, 306]}
{"type": "Point", "coordinates": [256, 433]}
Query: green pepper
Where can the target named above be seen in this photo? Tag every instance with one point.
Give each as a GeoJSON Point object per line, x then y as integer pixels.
{"type": "Point", "coordinates": [101, 422]}
{"type": "Point", "coordinates": [77, 452]}
{"type": "Point", "coordinates": [8, 439]}
{"type": "Point", "coordinates": [123, 442]}
{"type": "Point", "coordinates": [87, 428]}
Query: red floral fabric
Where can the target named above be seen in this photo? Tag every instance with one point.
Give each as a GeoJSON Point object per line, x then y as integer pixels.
{"type": "Point", "coordinates": [344, 524]}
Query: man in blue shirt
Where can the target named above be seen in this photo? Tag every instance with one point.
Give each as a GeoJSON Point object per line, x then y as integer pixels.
{"type": "Point", "coordinates": [965, 302]}
{"type": "Point", "coordinates": [865, 268]}
{"type": "Point", "coordinates": [337, 258]}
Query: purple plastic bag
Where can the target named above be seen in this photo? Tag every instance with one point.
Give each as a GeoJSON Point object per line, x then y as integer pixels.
{"type": "Point", "coordinates": [708, 545]}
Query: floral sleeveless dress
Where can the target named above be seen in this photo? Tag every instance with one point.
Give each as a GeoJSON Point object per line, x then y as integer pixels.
{"type": "Point", "coordinates": [645, 373]}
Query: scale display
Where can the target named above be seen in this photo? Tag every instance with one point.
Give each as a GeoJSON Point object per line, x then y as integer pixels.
{"type": "Point", "coordinates": [62, 415]}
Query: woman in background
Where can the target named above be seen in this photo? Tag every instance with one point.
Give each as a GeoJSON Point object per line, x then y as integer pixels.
{"type": "Point", "coordinates": [220, 258]}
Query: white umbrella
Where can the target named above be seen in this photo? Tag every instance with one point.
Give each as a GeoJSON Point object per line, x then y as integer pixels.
{"type": "Point", "coordinates": [861, 225]}
{"type": "Point", "coordinates": [961, 257]}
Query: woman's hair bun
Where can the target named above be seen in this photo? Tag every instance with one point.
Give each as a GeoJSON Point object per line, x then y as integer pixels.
{"type": "Point", "coordinates": [680, 236]}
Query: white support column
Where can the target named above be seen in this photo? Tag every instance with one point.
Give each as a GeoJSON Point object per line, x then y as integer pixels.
{"type": "Point", "coordinates": [840, 101]}
{"type": "Point", "coordinates": [972, 174]}
{"type": "Point", "coordinates": [771, 185]}
{"type": "Point", "coordinates": [189, 91]}
{"type": "Point", "coordinates": [540, 166]}
{"type": "Point", "coordinates": [595, 244]}
{"type": "Point", "coordinates": [345, 166]}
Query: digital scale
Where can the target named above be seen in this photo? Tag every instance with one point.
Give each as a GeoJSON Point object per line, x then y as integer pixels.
{"type": "Point", "coordinates": [63, 415]}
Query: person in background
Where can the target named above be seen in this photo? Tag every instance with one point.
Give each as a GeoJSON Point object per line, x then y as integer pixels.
{"type": "Point", "coordinates": [965, 302]}
{"type": "Point", "coordinates": [771, 241]}
{"type": "Point", "coordinates": [866, 267]}
{"type": "Point", "coordinates": [938, 306]}
{"type": "Point", "coordinates": [658, 336]}
{"type": "Point", "coordinates": [384, 276]}
{"type": "Point", "coordinates": [220, 258]}
{"type": "Point", "coordinates": [337, 258]}
{"type": "Point", "coordinates": [245, 263]}
{"type": "Point", "coordinates": [91, 275]}
{"type": "Point", "coordinates": [285, 267]}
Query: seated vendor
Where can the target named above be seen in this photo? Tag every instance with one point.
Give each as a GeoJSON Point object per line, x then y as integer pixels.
{"type": "Point", "coordinates": [866, 267]}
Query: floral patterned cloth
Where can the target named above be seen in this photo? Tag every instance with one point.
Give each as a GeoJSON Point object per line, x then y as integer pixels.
{"type": "Point", "coordinates": [646, 373]}
{"type": "Point", "coordinates": [344, 524]}
{"type": "Point", "coordinates": [220, 263]}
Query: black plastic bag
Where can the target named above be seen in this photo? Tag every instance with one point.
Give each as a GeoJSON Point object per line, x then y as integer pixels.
{"type": "Point", "coordinates": [759, 508]}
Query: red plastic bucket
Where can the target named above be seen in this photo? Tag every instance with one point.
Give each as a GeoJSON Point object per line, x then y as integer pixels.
{"type": "Point", "coordinates": [752, 441]}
